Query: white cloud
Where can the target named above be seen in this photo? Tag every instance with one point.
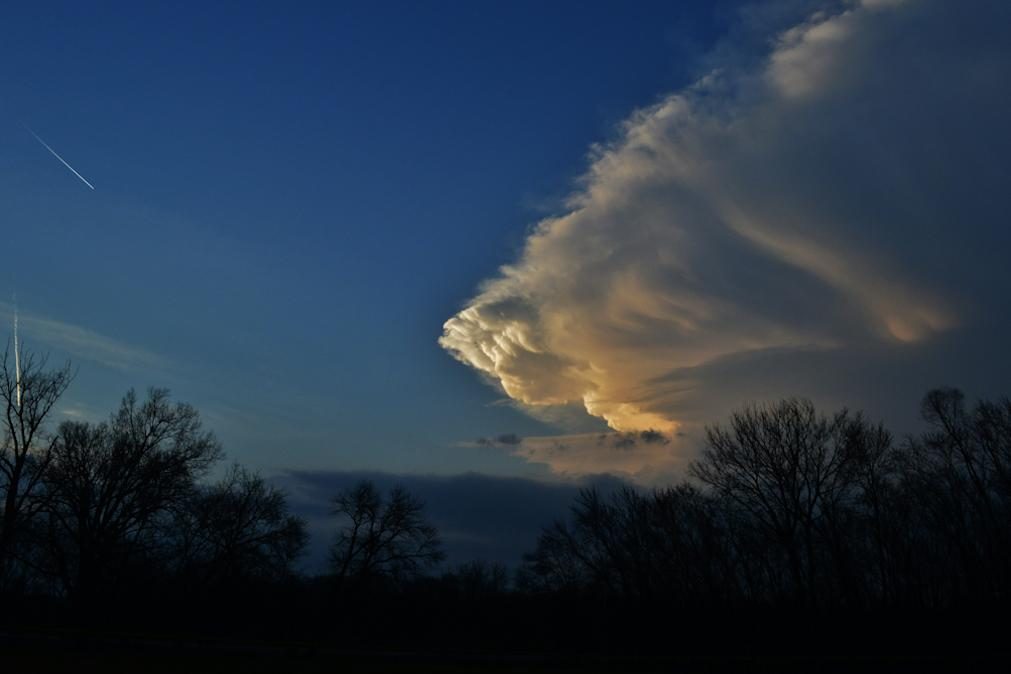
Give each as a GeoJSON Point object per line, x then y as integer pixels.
{"type": "Point", "coordinates": [830, 204]}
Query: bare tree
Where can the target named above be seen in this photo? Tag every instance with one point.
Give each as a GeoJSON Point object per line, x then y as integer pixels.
{"type": "Point", "coordinates": [382, 537]}
{"type": "Point", "coordinates": [29, 391]}
{"type": "Point", "coordinates": [792, 474]}
{"type": "Point", "coordinates": [960, 480]}
{"type": "Point", "coordinates": [113, 485]}
{"type": "Point", "coordinates": [238, 529]}
{"type": "Point", "coordinates": [558, 563]}
{"type": "Point", "coordinates": [666, 544]}
{"type": "Point", "coordinates": [478, 579]}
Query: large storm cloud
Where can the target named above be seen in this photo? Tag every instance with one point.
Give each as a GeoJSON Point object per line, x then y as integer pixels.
{"type": "Point", "coordinates": [830, 221]}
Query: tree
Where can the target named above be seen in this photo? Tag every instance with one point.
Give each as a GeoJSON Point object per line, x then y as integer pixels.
{"type": "Point", "coordinates": [478, 580]}
{"type": "Point", "coordinates": [28, 392]}
{"type": "Point", "coordinates": [382, 537]}
{"type": "Point", "coordinates": [795, 479]}
{"type": "Point", "coordinates": [959, 477]}
{"type": "Point", "coordinates": [113, 486]}
{"type": "Point", "coordinates": [667, 544]}
{"type": "Point", "coordinates": [238, 529]}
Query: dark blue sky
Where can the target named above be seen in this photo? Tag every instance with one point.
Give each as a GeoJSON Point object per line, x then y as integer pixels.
{"type": "Point", "coordinates": [291, 200]}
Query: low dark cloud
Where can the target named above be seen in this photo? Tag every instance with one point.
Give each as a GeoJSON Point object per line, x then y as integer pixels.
{"type": "Point", "coordinates": [631, 439]}
{"type": "Point", "coordinates": [495, 519]}
{"type": "Point", "coordinates": [506, 439]}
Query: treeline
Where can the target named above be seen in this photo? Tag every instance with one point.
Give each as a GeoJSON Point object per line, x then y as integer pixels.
{"type": "Point", "coordinates": [787, 507]}
{"type": "Point", "coordinates": [788, 517]}
{"type": "Point", "coordinates": [98, 512]}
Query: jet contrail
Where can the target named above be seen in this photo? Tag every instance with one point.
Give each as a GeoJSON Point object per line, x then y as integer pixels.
{"type": "Point", "coordinates": [17, 353]}
{"type": "Point", "coordinates": [53, 152]}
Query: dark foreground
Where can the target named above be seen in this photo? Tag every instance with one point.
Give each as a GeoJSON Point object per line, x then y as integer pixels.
{"type": "Point", "coordinates": [815, 544]}
{"type": "Point", "coordinates": [48, 650]}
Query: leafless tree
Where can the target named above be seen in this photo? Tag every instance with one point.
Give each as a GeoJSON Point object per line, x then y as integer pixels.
{"type": "Point", "coordinates": [666, 544]}
{"type": "Point", "coordinates": [478, 579]}
{"type": "Point", "coordinates": [382, 537]}
{"type": "Point", "coordinates": [959, 477]}
{"type": "Point", "coordinates": [793, 475]}
{"type": "Point", "coordinates": [112, 485]}
{"type": "Point", "coordinates": [237, 529]}
{"type": "Point", "coordinates": [29, 392]}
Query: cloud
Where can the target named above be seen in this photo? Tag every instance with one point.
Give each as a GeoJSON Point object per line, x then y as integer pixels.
{"type": "Point", "coordinates": [825, 221]}
{"type": "Point", "coordinates": [643, 457]}
{"type": "Point", "coordinates": [506, 439]}
{"type": "Point", "coordinates": [83, 343]}
{"type": "Point", "coordinates": [494, 519]}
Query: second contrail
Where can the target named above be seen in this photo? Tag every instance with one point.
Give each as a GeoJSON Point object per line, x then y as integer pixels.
{"type": "Point", "coordinates": [53, 152]}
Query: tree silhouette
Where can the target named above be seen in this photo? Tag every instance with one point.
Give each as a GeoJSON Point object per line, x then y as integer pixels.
{"type": "Point", "coordinates": [791, 475]}
{"type": "Point", "coordinates": [28, 393]}
{"type": "Point", "coordinates": [790, 506]}
{"type": "Point", "coordinates": [787, 513]}
{"type": "Point", "coordinates": [477, 579]}
{"type": "Point", "coordinates": [382, 537]}
{"type": "Point", "coordinates": [664, 544]}
{"type": "Point", "coordinates": [238, 529]}
{"type": "Point", "coordinates": [959, 478]}
{"type": "Point", "coordinates": [113, 486]}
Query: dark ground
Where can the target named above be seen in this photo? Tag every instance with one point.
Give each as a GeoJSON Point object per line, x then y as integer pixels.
{"type": "Point", "coordinates": [48, 650]}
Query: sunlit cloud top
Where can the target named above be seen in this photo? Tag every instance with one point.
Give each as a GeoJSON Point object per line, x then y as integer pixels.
{"type": "Point", "coordinates": [796, 206]}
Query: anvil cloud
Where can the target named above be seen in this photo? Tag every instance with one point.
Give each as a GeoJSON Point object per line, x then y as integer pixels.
{"type": "Point", "coordinates": [827, 215]}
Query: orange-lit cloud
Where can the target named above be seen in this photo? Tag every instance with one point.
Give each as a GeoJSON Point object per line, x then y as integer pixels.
{"type": "Point", "coordinates": [777, 213]}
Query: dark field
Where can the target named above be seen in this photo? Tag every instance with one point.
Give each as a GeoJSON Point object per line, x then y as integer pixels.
{"type": "Point", "coordinates": [80, 651]}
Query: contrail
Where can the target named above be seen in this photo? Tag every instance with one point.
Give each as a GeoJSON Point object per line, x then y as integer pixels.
{"type": "Point", "coordinates": [17, 352]}
{"type": "Point", "coordinates": [53, 152]}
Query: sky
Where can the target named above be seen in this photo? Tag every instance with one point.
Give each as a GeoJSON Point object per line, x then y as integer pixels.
{"type": "Point", "coordinates": [521, 241]}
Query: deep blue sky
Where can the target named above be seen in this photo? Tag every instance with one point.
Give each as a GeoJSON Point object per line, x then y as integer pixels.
{"type": "Point", "coordinates": [292, 198]}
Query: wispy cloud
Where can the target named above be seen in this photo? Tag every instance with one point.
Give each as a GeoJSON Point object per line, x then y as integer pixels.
{"type": "Point", "coordinates": [83, 343]}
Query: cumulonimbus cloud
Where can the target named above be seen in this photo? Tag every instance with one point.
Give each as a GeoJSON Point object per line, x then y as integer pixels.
{"type": "Point", "coordinates": [834, 201]}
